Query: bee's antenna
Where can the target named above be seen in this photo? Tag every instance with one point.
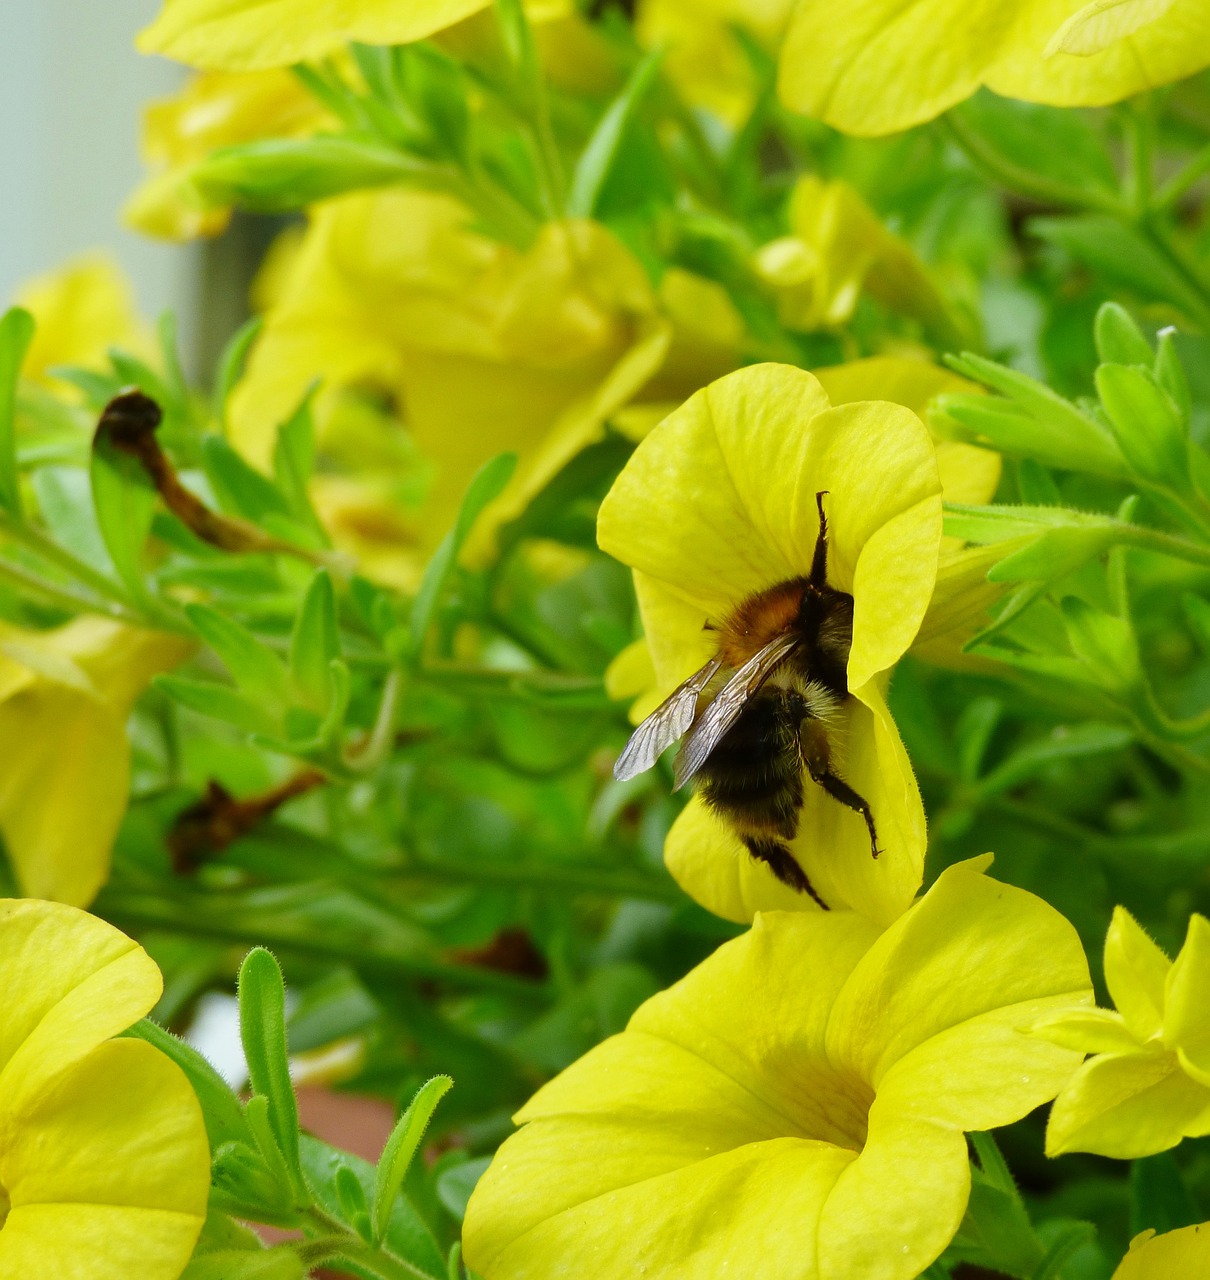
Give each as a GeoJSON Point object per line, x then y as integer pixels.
{"type": "Point", "coordinates": [819, 562]}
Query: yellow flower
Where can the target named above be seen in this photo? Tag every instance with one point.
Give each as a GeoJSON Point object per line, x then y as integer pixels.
{"type": "Point", "coordinates": [214, 109]}
{"type": "Point", "coordinates": [81, 310]}
{"type": "Point", "coordinates": [705, 60]}
{"type": "Point", "coordinates": [247, 35]}
{"type": "Point", "coordinates": [104, 1163]}
{"type": "Point", "coordinates": [877, 66]}
{"type": "Point", "coordinates": [64, 697]}
{"type": "Point", "coordinates": [1181, 1253]}
{"type": "Point", "coordinates": [838, 248]}
{"type": "Point", "coordinates": [718, 503]}
{"type": "Point", "coordinates": [795, 1107]}
{"type": "Point", "coordinates": [485, 347]}
{"type": "Point", "coordinates": [1147, 1085]}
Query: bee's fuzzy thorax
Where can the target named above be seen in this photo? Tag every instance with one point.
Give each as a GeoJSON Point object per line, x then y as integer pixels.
{"type": "Point", "coordinates": [760, 618]}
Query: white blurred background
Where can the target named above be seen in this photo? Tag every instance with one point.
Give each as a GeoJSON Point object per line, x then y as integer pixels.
{"type": "Point", "coordinates": [72, 87]}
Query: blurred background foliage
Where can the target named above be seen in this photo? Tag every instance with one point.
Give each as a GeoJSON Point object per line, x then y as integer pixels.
{"type": "Point", "coordinates": [388, 756]}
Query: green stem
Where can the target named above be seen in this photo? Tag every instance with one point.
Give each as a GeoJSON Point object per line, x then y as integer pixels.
{"type": "Point", "coordinates": [602, 882]}
{"type": "Point", "coordinates": [1164, 543]}
{"type": "Point", "coordinates": [50, 551]}
{"type": "Point", "coordinates": [1180, 182]}
{"type": "Point", "coordinates": [65, 598]}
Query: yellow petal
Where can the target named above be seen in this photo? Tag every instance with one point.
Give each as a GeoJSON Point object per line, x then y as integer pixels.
{"type": "Point", "coordinates": [1184, 1252]}
{"type": "Point", "coordinates": [1186, 1017]}
{"type": "Point", "coordinates": [1087, 1031]}
{"type": "Point", "coordinates": [72, 981]}
{"type": "Point", "coordinates": [1169, 47]}
{"type": "Point", "coordinates": [718, 502]}
{"type": "Point", "coordinates": [1102, 22]}
{"type": "Point", "coordinates": [1136, 971]}
{"type": "Point", "coordinates": [81, 310]}
{"type": "Point", "coordinates": [243, 35]}
{"type": "Point", "coordinates": [122, 1128]}
{"type": "Point", "coordinates": [1127, 1106]}
{"type": "Point", "coordinates": [971, 947]}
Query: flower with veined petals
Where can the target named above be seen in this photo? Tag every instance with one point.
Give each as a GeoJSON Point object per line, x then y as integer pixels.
{"type": "Point", "coordinates": [104, 1162]}
{"type": "Point", "coordinates": [1171, 1256]}
{"type": "Point", "coordinates": [64, 697]}
{"type": "Point", "coordinates": [247, 35]}
{"type": "Point", "coordinates": [80, 310]}
{"type": "Point", "coordinates": [485, 347]}
{"type": "Point", "coordinates": [1147, 1085]}
{"type": "Point", "coordinates": [878, 66]}
{"type": "Point", "coordinates": [717, 503]}
{"type": "Point", "coordinates": [968, 473]}
{"type": "Point", "coordinates": [796, 1106]}
{"type": "Point", "coordinates": [214, 109]}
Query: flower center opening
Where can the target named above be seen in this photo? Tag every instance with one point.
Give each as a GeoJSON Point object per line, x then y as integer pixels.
{"type": "Point", "coordinates": [829, 1104]}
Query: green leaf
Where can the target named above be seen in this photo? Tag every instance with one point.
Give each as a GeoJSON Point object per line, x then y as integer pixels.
{"type": "Point", "coordinates": [1122, 256]}
{"type": "Point", "coordinates": [454, 1186]}
{"type": "Point", "coordinates": [221, 1109]}
{"type": "Point", "coordinates": [1170, 374]}
{"type": "Point", "coordinates": [16, 333]}
{"type": "Point", "coordinates": [256, 669]}
{"type": "Point", "coordinates": [487, 484]}
{"type": "Point", "coordinates": [124, 500]}
{"type": "Point", "coordinates": [597, 160]}
{"type": "Point", "coordinates": [1147, 424]}
{"type": "Point", "coordinates": [315, 643]}
{"type": "Point", "coordinates": [262, 1024]}
{"type": "Point", "coordinates": [991, 524]}
{"type": "Point", "coordinates": [401, 1147]}
{"type": "Point", "coordinates": [1104, 643]}
{"type": "Point", "coordinates": [1068, 1242]}
{"type": "Point", "coordinates": [208, 698]}
{"type": "Point", "coordinates": [1051, 152]}
{"type": "Point", "coordinates": [240, 489]}
{"type": "Point", "coordinates": [275, 175]}
{"type": "Point", "coordinates": [1159, 1198]}
{"type": "Point", "coordinates": [280, 1263]}
{"type": "Point", "coordinates": [231, 365]}
{"type": "Point", "coordinates": [518, 37]}
{"type": "Point", "coordinates": [408, 1235]}
{"type": "Point", "coordinates": [294, 460]}
{"type": "Point", "coordinates": [1073, 742]}
{"type": "Point", "coordinates": [1119, 340]}
{"type": "Point", "coordinates": [1053, 555]}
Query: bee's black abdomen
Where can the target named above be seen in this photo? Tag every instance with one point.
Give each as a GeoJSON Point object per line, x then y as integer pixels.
{"type": "Point", "coordinates": [754, 775]}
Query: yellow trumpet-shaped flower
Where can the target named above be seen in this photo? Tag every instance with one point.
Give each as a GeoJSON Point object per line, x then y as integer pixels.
{"type": "Point", "coordinates": [214, 109]}
{"type": "Point", "coordinates": [1180, 1253]}
{"type": "Point", "coordinates": [1147, 1085]}
{"type": "Point", "coordinates": [247, 35]}
{"type": "Point", "coordinates": [81, 310]}
{"type": "Point", "coordinates": [705, 60]}
{"type": "Point", "coordinates": [877, 66]}
{"type": "Point", "coordinates": [795, 1107]}
{"type": "Point", "coordinates": [64, 757]}
{"type": "Point", "coordinates": [484, 347]}
{"type": "Point", "coordinates": [104, 1163]}
{"type": "Point", "coordinates": [718, 503]}
{"type": "Point", "coordinates": [838, 248]}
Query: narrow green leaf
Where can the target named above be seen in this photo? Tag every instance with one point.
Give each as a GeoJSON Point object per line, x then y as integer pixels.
{"type": "Point", "coordinates": [231, 365]}
{"type": "Point", "coordinates": [517, 36]}
{"type": "Point", "coordinates": [16, 333]}
{"type": "Point", "coordinates": [1170, 374]}
{"type": "Point", "coordinates": [995, 1167]}
{"type": "Point", "coordinates": [257, 670]}
{"type": "Point", "coordinates": [487, 485]}
{"type": "Point", "coordinates": [597, 160]}
{"type": "Point", "coordinates": [262, 1022]}
{"type": "Point", "coordinates": [280, 1263]}
{"type": "Point", "coordinates": [1119, 340]}
{"type": "Point", "coordinates": [240, 489]}
{"type": "Point", "coordinates": [294, 460]}
{"type": "Point", "coordinates": [1062, 1248]}
{"type": "Point", "coordinates": [174, 375]}
{"type": "Point", "coordinates": [1159, 1198]}
{"type": "Point", "coordinates": [315, 642]}
{"type": "Point", "coordinates": [221, 1109]}
{"type": "Point", "coordinates": [208, 698]}
{"type": "Point", "coordinates": [1053, 555]}
{"type": "Point", "coordinates": [1146, 422]}
{"type": "Point", "coordinates": [401, 1147]}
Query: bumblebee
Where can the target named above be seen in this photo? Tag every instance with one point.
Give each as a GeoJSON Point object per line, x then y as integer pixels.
{"type": "Point", "coordinates": [759, 715]}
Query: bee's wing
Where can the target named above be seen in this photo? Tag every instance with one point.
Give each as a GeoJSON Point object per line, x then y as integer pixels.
{"type": "Point", "coordinates": [664, 725]}
{"type": "Point", "coordinates": [724, 711]}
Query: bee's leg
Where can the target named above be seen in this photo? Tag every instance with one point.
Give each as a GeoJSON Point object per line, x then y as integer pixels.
{"type": "Point", "coordinates": [819, 562]}
{"type": "Point", "coordinates": [778, 858]}
{"type": "Point", "coordinates": [813, 748]}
